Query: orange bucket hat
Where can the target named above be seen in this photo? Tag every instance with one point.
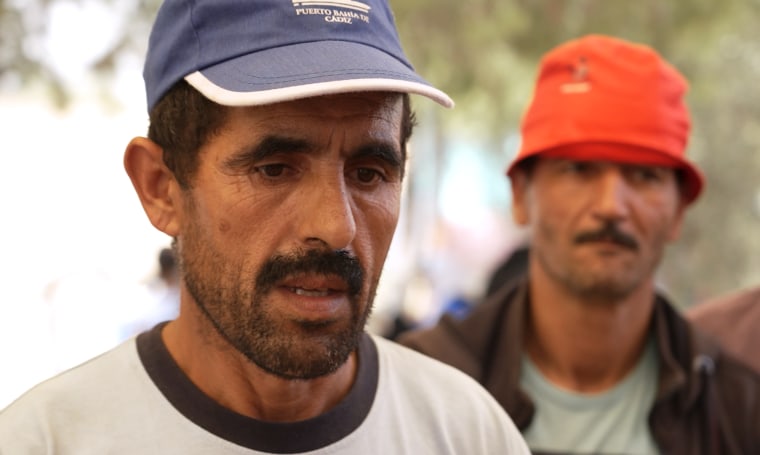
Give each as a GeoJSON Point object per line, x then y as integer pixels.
{"type": "Point", "coordinates": [602, 98]}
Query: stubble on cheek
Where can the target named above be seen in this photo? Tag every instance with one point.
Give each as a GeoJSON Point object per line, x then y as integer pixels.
{"type": "Point", "coordinates": [236, 301]}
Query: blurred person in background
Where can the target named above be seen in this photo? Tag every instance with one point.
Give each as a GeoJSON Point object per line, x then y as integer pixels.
{"type": "Point", "coordinates": [274, 158]}
{"type": "Point", "coordinates": [734, 320]}
{"type": "Point", "coordinates": [585, 353]}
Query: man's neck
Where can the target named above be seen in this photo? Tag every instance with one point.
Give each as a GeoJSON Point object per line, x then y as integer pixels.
{"type": "Point", "coordinates": [230, 379]}
{"type": "Point", "coordinates": [586, 346]}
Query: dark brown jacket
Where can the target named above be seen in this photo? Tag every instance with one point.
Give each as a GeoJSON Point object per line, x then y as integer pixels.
{"type": "Point", "coordinates": [706, 403]}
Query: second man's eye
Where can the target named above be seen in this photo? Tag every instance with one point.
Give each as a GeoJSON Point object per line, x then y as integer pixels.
{"type": "Point", "coordinates": [650, 174]}
{"type": "Point", "coordinates": [575, 167]}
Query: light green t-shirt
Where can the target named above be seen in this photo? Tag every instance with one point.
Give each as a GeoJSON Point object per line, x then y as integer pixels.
{"type": "Point", "coordinates": [610, 422]}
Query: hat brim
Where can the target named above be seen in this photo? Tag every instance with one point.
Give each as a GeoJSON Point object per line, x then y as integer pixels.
{"type": "Point", "coordinates": [309, 69]}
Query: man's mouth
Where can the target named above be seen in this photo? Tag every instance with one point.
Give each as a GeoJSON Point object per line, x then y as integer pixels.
{"type": "Point", "coordinates": [311, 292]}
{"type": "Point", "coordinates": [306, 285]}
{"type": "Point", "coordinates": [313, 273]}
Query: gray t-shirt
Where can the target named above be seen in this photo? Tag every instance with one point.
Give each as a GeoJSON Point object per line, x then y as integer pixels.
{"type": "Point", "coordinates": [136, 400]}
{"type": "Point", "coordinates": [610, 422]}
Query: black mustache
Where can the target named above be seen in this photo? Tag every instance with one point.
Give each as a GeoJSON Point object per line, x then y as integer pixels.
{"type": "Point", "coordinates": [339, 263]}
{"type": "Point", "coordinates": [609, 233]}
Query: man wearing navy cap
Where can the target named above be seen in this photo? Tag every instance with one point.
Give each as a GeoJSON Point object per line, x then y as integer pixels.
{"type": "Point", "coordinates": [274, 158]}
{"type": "Point", "coordinates": [585, 352]}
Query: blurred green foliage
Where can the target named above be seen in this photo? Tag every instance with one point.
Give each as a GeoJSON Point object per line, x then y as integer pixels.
{"type": "Point", "coordinates": [485, 53]}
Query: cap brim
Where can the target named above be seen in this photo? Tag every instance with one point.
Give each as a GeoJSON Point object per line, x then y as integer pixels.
{"type": "Point", "coordinates": [306, 70]}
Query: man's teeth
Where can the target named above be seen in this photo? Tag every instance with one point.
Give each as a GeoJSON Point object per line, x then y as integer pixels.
{"type": "Point", "coordinates": [310, 292]}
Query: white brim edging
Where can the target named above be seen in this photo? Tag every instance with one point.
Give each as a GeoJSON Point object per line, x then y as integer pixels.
{"type": "Point", "coordinates": [255, 98]}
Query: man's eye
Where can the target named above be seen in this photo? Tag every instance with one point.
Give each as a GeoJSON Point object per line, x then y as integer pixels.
{"type": "Point", "coordinates": [366, 175]}
{"type": "Point", "coordinates": [577, 167]}
{"type": "Point", "coordinates": [649, 174]}
{"type": "Point", "coordinates": [271, 170]}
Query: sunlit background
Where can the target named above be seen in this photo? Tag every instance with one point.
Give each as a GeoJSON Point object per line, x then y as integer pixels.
{"type": "Point", "coordinates": [78, 258]}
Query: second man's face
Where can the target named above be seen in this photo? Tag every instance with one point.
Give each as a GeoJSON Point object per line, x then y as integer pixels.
{"type": "Point", "coordinates": [599, 228]}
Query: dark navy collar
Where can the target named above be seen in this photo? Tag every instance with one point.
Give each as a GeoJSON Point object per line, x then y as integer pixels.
{"type": "Point", "coordinates": [273, 437]}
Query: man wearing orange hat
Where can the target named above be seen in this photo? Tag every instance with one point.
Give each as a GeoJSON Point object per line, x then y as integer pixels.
{"type": "Point", "coordinates": [585, 353]}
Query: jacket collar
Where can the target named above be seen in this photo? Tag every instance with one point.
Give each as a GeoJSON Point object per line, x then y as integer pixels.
{"type": "Point", "coordinates": [685, 360]}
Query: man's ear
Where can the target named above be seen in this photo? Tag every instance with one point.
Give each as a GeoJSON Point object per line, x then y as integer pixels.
{"type": "Point", "coordinates": [154, 183]}
{"type": "Point", "coordinates": [519, 181]}
{"type": "Point", "coordinates": [678, 218]}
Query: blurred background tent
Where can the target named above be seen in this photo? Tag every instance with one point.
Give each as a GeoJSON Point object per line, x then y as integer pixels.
{"type": "Point", "coordinates": [77, 252]}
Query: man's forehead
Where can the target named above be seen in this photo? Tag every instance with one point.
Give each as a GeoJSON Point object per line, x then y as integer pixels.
{"type": "Point", "coordinates": [623, 154]}
{"type": "Point", "coordinates": [374, 98]}
{"type": "Point", "coordinates": [310, 122]}
{"type": "Point", "coordinates": [605, 162]}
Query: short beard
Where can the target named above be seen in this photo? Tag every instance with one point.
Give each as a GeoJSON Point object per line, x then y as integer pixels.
{"type": "Point", "coordinates": [289, 349]}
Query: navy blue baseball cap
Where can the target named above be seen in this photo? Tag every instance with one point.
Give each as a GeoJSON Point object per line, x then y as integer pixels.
{"type": "Point", "coordinates": [253, 52]}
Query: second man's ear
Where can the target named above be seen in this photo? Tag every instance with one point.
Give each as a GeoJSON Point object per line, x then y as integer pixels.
{"type": "Point", "coordinates": [154, 183]}
{"type": "Point", "coordinates": [519, 181]}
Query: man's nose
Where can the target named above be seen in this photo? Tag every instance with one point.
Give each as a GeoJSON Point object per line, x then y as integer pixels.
{"type": "Point", "coordinates": [328, 214]}
{"type": "Point", "coordinates": [612, 195]}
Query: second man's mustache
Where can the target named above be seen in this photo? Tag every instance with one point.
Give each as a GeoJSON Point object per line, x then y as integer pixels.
{"type": "Point", "coordinates": [608, 233]}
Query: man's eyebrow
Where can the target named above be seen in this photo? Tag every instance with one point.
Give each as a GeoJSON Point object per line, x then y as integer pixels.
{"type": "Point", "coordinates": [381, 151]}
{"type": "Point", "coordinates": [270, 145]}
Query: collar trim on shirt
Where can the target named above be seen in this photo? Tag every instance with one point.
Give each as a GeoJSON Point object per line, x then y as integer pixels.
{"type": "Point", "coordinates": [273, 437]}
